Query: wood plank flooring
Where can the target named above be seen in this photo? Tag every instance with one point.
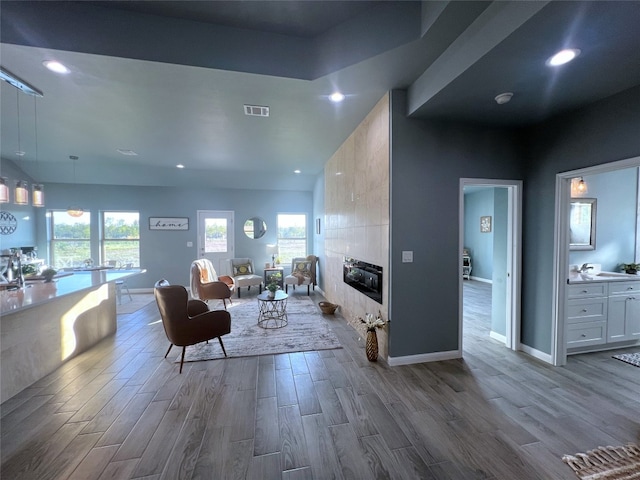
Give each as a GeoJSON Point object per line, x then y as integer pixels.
{"type": "Point", "coordinates": [122, 411]}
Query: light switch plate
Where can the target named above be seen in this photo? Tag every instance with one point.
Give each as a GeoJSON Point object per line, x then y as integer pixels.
{"type": "Point", "coordinates": [189, 244]}
{"type": "Point", "coordinates": [407, 256]}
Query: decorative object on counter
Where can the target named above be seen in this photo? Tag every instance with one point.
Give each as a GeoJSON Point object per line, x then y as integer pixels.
{"type": "Point", "coordinates": [371, 322]}
{"type": "Point", "coordinates": [48, 274]}
{"type": "Point", "coordinates": [630, 268]}
{"type": "Point", "coordinates": [606, 463]}
{"type": "Point", "coordinates": [630, 358]}
{"type": "Point", "coordinates": [328, 308]}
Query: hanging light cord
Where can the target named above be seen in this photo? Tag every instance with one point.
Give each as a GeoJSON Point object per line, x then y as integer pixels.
{"type": "Point", "coordinates": [35, 116]}
{"type": "Point", "coordinates": [18, 108]}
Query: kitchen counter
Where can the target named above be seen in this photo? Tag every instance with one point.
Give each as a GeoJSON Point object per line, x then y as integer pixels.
{"type": "Point", "coordinates": [46, 324]}
{"type": "Point", "coordinates": [575, 277]}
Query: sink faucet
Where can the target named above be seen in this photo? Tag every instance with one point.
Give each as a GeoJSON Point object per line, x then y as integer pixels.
{"type": "Point", "coordinates": [585, 268]}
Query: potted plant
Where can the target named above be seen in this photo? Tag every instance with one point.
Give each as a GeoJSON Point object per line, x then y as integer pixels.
{"type": "Point", "coordinates": [630, 268]}
{"type": "Point", "coordinates": [48, 274]}
{"type": "Point", "coordinates": [272, 287]}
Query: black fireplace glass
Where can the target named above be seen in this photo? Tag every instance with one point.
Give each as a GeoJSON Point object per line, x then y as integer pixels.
{"type": "Point", "coordinates": [364, 277]}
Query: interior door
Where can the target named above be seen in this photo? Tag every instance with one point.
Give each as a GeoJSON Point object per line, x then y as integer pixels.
{"type": "Point", "coordinates": [215, 238]}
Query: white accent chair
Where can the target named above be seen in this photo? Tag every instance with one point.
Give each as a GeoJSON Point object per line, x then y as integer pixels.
{"type": "Point", "coordinates": [303, 272]}
{"type": "Point", "coordinates": [244, 274]}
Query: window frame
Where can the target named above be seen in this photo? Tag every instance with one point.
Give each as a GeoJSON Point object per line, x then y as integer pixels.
{"type": "Point", "coordinates": [104, 241]}
{"type": "Point", "coordinates": [54, 242]}
{"type": "Point", "coordinates": [305, 240]}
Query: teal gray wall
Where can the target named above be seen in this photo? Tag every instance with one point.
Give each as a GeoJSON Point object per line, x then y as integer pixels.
{"type": "Point", "coordinates": [605, 132]}
{"type": "Point", "coordinates": [479, 204]}
{"type": "Point", "coordinates": [427, 161]}
{"type": "Point", "coordinates": [500, 251]}
{"type": "Point", "coordinates": [165, 253]}
{"type": "Point", "coordinates": [617, 203]}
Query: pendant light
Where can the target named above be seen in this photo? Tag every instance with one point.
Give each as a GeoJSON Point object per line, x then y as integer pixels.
{"type": "Point", "coordinates": [21, 187]}
{"type": "Point", "coordinates": [37, 189]}
{"type": "Point", "coordinates": [74, 211]}
{"type": "Point", "coordinates": [4, 190]}
{"type": "Point", "coordinates": [578, 187]}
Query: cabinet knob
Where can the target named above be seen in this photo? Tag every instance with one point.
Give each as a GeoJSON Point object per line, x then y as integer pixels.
{"type": "Point", "coordinates": [583, 335]}
{"type": "Point", "coordinates": [584, 310]}
{"type": "Point", "coordinates": [585, 291]}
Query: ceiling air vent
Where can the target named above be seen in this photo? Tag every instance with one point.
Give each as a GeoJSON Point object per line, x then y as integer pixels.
{"type": "Point", "coordinates": [256, 111]}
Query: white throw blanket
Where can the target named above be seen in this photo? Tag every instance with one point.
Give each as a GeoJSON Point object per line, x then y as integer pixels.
{"type": "Point", "coordinates": [207, 275]}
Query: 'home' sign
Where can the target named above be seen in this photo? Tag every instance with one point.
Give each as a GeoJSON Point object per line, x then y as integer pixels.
{"type": "Point", "coordinates": [168, 223]}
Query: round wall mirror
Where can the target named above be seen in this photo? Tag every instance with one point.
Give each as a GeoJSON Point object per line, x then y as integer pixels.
{"type": "Point", "coordinates": [255, 227]}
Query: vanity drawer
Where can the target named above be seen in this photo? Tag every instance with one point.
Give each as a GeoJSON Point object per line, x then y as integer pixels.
{"type": "Point", "coordinates": [624, 288]}
{"type": "Point", "coordinates": [587, 310]}
{"type": "Point", "coordinates": [585, 334]}
{"type": "Point", "coordinates": [585, 290]}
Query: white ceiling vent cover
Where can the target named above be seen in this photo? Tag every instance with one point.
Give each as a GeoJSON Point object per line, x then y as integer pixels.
{"type": "Point", "coordinates": [256, 111]}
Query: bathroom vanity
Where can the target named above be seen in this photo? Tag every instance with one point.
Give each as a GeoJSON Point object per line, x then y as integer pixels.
{"type": "Point", "coordinates": [603, 311]}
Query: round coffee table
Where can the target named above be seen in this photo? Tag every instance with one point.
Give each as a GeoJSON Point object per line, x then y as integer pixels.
{"type": "Point", "coordinates": [272, 310]}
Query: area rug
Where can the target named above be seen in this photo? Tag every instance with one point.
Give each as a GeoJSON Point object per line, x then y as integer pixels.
{"type": "Point", "coordinates": [607, 463]}
{"type": "Point", "coordinates": [632, 358]}
{"type": "Point", "coordinates": [138, 300]}
{"type": "Point", "coordinates": [307, 330]}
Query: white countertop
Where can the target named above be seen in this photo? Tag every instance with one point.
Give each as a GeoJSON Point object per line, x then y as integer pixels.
{"type": "Point", "coordinates": [38, 292]}
{"type": "Point", "coordinates": [575, 277]}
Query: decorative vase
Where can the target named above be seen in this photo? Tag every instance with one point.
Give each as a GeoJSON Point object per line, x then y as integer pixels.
{"type": "Point", "coordinates": [271, 294]}
{"type": "Point", "coordinates": [371, 346]}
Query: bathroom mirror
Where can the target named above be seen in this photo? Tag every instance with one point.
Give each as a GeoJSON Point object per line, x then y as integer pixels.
{"type": "Point", "coordinates": [255, 227]}
{"type": "Point", "coordinates": [582, 224]}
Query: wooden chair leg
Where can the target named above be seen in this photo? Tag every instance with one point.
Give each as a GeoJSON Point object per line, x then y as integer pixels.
{"type": "Point", "coordinates": [222, 345]}
{"type": "Point", "coordinates": [238, 292]}
{"type": "Point", "coordinates": [308, 291]}
{"type": "Point", "coordinates": [170, 345]}
{"type": "Point", "coordinates": [184, 349]}
{"type": "Point", "coordinates": [286, 288]}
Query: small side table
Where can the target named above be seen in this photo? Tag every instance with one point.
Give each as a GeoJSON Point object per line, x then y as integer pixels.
{"type": "Point", "coordinates": [272, 311]}
{"type": "Point", "coordinates": [271, 274]}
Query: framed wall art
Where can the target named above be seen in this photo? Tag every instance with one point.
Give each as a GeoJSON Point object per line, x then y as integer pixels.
{"type": "Point", "coordinates": [485, 224]}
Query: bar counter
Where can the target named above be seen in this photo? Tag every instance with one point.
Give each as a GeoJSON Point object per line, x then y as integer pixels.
{"type": "Point", "coordinates": [43, 325]}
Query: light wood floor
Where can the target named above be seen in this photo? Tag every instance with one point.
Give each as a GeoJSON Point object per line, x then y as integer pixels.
{"type": "Point", "coordinates": [121, 411]}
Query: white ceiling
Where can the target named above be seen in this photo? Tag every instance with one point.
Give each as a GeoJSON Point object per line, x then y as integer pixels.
{"type": "Point", "coordinates": [168, 80]}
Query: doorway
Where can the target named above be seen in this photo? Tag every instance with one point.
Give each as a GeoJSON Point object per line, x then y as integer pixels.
{"type": "Point", "coordinates": [561, 259]}
{"type": "Point", "coordinates": [505, 215]}
{"type": "Point", "coordinates": [216, 238]}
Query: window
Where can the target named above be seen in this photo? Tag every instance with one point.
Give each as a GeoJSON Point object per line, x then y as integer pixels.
{"type": "Point", "coordinates": [121, 238]}
{"type": "Point", "coordinates": [70, 239]}
{"type": "Point", "coordinates": [292, 236]}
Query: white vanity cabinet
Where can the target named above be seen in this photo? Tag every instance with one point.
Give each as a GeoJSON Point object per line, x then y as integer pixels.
{"type": "Point", "coordinates": [623, 322]}
{"type": "Point", "coordinates": [587, 315]}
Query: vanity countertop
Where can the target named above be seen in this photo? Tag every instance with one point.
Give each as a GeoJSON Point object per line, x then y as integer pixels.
{"type": "Point", "coordinates": [575, 277]}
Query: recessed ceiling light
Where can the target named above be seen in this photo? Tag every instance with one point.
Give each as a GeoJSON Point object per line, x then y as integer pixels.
{"type": "Point", "coordinates": [129, 153]}
{"type": "Point", "coordinates": [55, 66]}
{"type": "Point", "coordinates": [179, 165]}
{"type": "Point", "coordinates": [296, 171]}
{"type": "Point", "coordinates": [336, 97]}
{"type": "Point", "coordinates": [563, 56]}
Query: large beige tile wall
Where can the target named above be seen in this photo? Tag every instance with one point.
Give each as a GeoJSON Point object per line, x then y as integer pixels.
{"type": "Point", "coordinates": [357, 215]}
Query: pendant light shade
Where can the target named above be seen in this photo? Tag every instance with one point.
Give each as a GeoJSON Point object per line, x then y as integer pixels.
{"type": "Point", "coordinates": [37, 192]}
{"type": "Point", "coordinates": [4, 190]}
{"type": "Point", "coordinates": [21, 193]}
{"type": "Point", "coordinates": [75, 212]}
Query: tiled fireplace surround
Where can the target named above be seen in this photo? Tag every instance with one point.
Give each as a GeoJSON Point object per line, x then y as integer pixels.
{"type": "Point", "coordinates": [357, 215]}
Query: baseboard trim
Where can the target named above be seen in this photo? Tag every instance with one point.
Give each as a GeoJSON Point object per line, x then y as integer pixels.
{"type": "Point", "coordinates": [497, 336]}
{"type": "Point", "coordinates": [423, 358]}
{"type": "Point", "coordinates": [545, 357]}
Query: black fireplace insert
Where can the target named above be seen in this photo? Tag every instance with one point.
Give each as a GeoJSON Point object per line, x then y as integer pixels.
{"type": "Point", "coordinates": [364, 277]}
